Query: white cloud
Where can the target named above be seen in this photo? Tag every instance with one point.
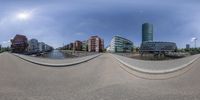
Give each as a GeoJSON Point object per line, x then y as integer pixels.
{"type": "Point", "coordinates": [5, 43]}
{"type": "Point", "coordinates": [193, 39]}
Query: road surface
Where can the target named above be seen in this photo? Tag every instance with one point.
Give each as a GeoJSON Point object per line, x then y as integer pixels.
{"type": "Point", "coordinates": [99, 79]}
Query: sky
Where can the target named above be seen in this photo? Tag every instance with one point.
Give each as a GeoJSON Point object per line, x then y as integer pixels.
{"type": "Point", "coordinates": [59, 22]}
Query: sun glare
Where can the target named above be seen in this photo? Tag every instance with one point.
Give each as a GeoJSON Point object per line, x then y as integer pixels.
{"type": "Point", "coordinates": [23, 16]}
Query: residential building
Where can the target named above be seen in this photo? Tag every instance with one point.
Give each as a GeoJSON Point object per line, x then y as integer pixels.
{"type": "Point", "coordinates": [19, 44]}
{"type": "Point", "coordinates": [65, 47]}
{"type": "Point", "coordinates": [47, 48]}
{"type": "Point", "coordinates": [33, 46]}
{"type": "Point", "coordinates": [41, 46]}
{"type": "Point", "coordinates": [85, 45]}
{"type": "Point", "coordinates": [78, 45]}
{"type": "Point", "coordinates": [95, 44]}
{"type": "Point", "coordinates": [120, 44]}
{"type": "Point", "coordinates": [71, 46]}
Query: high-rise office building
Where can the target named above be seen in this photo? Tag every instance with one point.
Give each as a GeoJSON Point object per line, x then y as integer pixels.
{"type": "Point", "coordinates": [155, 47]}
{"type": "Point", "coordinates": [147, 32]}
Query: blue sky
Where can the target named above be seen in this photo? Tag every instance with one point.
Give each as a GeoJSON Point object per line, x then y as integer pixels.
{"type": "Point", "coordinates": [58, 22]}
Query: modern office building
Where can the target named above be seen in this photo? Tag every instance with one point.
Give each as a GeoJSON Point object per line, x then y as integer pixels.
{"type": "Point", "coordinates": [78, 45]}
{"type": "Point", "coordinates": [95, 44]}
{"type": "Point", "coordinates": [19, 44]}
{"type": "Point", "coordinates": [120, 44]}
{"type": "Point", "coordinates": [157, 47]}
{"type": "Point", "coordinates": [147, 32]}
{"type": "Point", "coordinates": [150, 46]}
{"type": "Point", "coordinates": [33, 46]}
{"type": "Point", "coordinates": [187, 46]}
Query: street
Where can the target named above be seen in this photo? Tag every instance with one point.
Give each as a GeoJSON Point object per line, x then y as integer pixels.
{"type": "Point", "coordinates": [101, 78]}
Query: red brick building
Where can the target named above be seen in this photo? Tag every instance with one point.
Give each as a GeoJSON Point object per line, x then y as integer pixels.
{"type": "Point", "coordinates": [95, 44]}
{"type": "Point", "coordinates": [19, 43]}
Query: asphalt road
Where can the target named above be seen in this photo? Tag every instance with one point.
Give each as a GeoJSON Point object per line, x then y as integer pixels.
{"type": "Point", "coordinates": [99, 79]}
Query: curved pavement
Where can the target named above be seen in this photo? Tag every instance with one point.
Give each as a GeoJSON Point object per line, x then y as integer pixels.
{"type": "Point", "coordinates": [98, 79]}
{"type": "Point", "coordinates": [57, 62]}
{"type": "Point", "coordinates": [156, 67]}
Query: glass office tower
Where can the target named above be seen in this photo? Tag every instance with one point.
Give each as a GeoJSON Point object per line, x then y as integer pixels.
{"type": "Point", "coordinates": [147, 32]}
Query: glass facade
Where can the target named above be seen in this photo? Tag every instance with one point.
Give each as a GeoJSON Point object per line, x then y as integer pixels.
{"type": "Point", "coordinates": [120, 44]}
{"type": "Point", "coordinates": [147, 32]}
{"type": "Point", "coordinates": [158, 47]}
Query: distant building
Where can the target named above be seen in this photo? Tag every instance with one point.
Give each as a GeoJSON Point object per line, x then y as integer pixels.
{"type": "Point", "coordinates": [95, 44]}
{"type": "Point", "coordinates": [157, 47]}
{"type": "Point", "coordinates": [187, 46]}
{"type": "Point", "coordinates": [33, 46]}
{"type": "Point", "coordinates": [44, 47]}
{"type": "Point", "coordinates": [65, 47]}
{"type": "Point", "coordinates": [85, 45]}
{"type": "Point", "coordinates": [41, 46]}
{"type": "Point", "coordinates": [78, 45]}
{"type": "Point", "coordinates": [120, 44]}
{"type": "Point", "coordinates": [147, 32]}
{"type": "Point", "coordinates": [47, 48]}
{"type": "Point", "coordinates": [19, 44]}
{"type": "Point", "coordinates": [108, 49]}
{"type": "Point", "coordinates": [71, 46]}
{"type": "Point", "coordinates": [150, 46]}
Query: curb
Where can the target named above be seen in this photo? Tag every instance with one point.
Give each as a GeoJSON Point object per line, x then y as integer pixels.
{"type": "Point", "coordinates": [56, 65]}
{"type": "Point", "coordinates": [158, 71]}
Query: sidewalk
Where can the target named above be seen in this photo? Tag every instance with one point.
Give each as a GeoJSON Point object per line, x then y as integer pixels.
{"type": "Point", "coordinates": [56, 62]}
{"type": "Point", "coordinates": [156, 67]}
